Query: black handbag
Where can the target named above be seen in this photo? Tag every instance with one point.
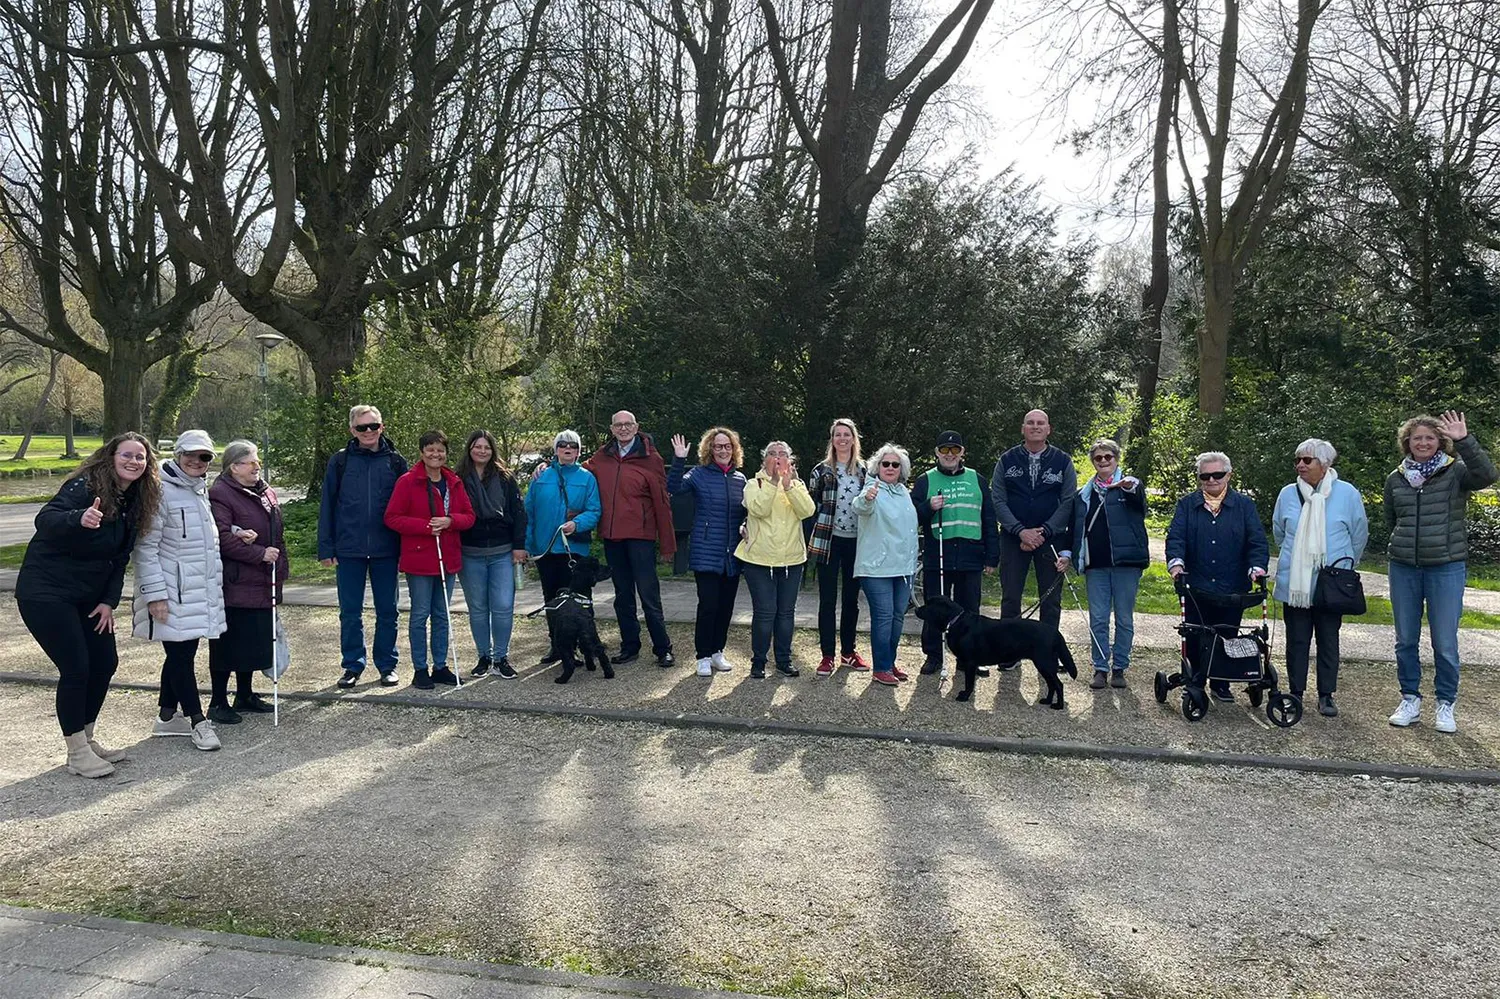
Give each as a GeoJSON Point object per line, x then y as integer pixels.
{"type": "Point", "coordinates": [1339, 591]}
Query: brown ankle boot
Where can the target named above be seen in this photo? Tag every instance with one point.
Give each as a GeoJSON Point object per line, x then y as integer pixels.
{"type": "Point", "coordinates": [104, 753]}
{"type": "Point", "coordinates": [81, 759]}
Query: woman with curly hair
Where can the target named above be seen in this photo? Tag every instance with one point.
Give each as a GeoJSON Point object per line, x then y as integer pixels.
{"type": "Point", "coordinates": [718, 488]}
{"type": "Point", "coordinates": [71, 579]}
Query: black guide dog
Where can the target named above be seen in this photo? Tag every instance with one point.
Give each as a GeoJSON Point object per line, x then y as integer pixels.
{"type": "Point", "coordinates": [977, 641]}
{"type": "Point", "coordinates": [570, 619]}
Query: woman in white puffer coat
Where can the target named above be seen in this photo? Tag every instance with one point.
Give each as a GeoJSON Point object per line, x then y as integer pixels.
{"type": "Point", "coordinates": [179, 586]}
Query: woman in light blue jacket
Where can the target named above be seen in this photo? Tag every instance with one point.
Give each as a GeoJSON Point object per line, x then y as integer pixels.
{"type": "Point", "coordinates": [885, 555]}
{"type": "Point", "coordinates": [1319, 520]}
{"type": "Point", "coordinates": [562, 509]}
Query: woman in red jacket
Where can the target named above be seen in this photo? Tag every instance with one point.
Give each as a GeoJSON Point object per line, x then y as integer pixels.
{"type": "Point", "coordinates": [429, 508]}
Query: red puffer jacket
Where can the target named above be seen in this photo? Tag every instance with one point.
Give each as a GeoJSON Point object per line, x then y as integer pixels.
{"type": "Point", "coordinates": [414, 502]}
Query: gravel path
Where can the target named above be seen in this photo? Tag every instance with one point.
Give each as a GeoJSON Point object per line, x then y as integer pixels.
{"type": "Point", "coordinates": [797, 866]}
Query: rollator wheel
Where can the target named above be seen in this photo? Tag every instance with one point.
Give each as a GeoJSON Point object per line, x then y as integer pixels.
{"type": "Point", "coordinates": [1162, 686]}
{"type": "Point", "coordinates": [1194, 704]}
{"type": "Point", "coordinates": [1284, 710]}
{"type": "Point", "coordinates": [1257, 694]}
{"type": "Point", "coordinates": [1174, 680]}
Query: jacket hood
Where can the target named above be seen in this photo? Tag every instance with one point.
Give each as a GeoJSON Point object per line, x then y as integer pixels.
{"type": "Point", "coordinates": [172, 475]}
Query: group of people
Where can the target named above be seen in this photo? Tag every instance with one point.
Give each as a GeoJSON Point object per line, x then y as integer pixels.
{"type": "Point", "coordinates": [210, 560]}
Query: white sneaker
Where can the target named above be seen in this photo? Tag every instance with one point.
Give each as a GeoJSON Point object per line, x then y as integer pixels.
{"type": "Point", "coordinates": [705, 667]}
{"type": "Point", "coordinates": [1410, 710]}
{"type": "Point", "coordinates": [179, 725]}
{"type": "Point", "coordinates": [1445, 721]}
{"type": "Point", "coordinates": [204, 736]}
{"type": "Point", "coordinates": [720, 663]}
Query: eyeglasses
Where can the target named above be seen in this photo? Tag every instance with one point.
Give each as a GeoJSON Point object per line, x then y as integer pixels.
{"type": "Point", "coordinates": [203, 456]}
{"type": "Point", "coordinates": [723, 447]}
{"type": "Point", "coordinates": [1304, 459]}
{"type": "Point", "coordinates": [1211, 476]}
{"type": "Point", "coordinates": [1101, 459]}
{"type": "Point", "coordinates": [890, 464]}
{"type": "Point", "coordinates": [132, 459]}
{"type": "Point", "coordinates": [248, 461]}
{"type": "Point", "coordinates": [622, 426]}
{"type": "Point", "coordinates": [366, 428]}
{"type": "Point", "coordinates": [950, 449]}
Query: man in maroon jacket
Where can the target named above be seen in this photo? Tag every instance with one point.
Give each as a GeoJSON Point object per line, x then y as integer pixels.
{"type": "Point", "coordinates": [637, 515]}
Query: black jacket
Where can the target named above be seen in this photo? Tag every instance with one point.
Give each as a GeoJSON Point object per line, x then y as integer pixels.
{"type": "Point", "coordinates": [68, 563]}
{"type": "Point", "coordinates": [493, 531]}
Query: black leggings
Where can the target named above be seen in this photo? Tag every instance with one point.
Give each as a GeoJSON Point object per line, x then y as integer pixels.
{"type": "Point", "coordinates": [85, 659]}
{"type": "Point", "coordinates": [838, 569]}
{"type": "Point", "coordinates": [716, 593]}
{"type": "Point", "coordinates": [179, 684]}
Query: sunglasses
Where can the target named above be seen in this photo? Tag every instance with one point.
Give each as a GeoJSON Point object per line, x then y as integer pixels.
{"type": "Point", "coordinates": [1304, 459]}
{"type": "Point", "coordinates": [365, 428]}
{"type": "Point", "coordinates": [203, 456]}
{"type": "Point", "coordinates": [1211, 476]}
{"type": "Point", "coordinates": [1100, 459]}
{"type": "Point", "coordinates": [950, 449]}
{"type": "Point", "coordinates": [565, 446]}
{"type": "Point", "coordinates": [890, 464]}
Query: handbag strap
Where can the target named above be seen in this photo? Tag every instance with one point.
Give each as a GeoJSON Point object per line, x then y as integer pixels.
{"type": "Point", "coordinates": [1335, 562]}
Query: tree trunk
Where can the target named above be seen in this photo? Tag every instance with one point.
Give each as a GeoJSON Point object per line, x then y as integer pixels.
{"type": "Point", "coordinates": [330, 366]}
{"type": "Point", "coordinates": [179, 385]}
{"type": "Point", "coordinates": [70, 450]}
{"type": "Point", "coordinates": [41, 407]}
{"type": "Point", "coordinates": [1154, 294]}
{"type": "Point", "coordinates": [1213, 338]}
{"type": "Point", "coordinates": [124, 375]}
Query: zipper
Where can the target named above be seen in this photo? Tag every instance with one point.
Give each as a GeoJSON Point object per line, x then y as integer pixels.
{"type": "Point", "coordinates": [183, 514]}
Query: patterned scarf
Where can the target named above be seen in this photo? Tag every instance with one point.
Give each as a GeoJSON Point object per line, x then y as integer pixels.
{"type": "Point", "coordinates": [1418, 472]}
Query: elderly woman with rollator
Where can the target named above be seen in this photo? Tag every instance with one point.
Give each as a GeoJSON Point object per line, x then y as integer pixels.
{"type": "Point", "coordinates": [1217, 545]}
{"type": "Point", "coordinates": [1426, 508]}
{"type": "Point", "coordinates": [1319, 520]}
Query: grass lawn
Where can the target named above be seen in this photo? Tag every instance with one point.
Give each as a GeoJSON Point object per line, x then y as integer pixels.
{"type": "Point", "coordinates": [44, 453]}
{"type": "Point", "coordinates": [30, 498]}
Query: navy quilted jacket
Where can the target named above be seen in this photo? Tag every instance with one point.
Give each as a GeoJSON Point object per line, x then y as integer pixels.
{"type": "Point", "coordinates": [717, 517]}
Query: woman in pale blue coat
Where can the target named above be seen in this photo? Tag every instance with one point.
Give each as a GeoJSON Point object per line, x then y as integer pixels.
{"type": "Point", "coordinates": [885, 555]}
{"type": "Point", "coordinates": [1319, 520]}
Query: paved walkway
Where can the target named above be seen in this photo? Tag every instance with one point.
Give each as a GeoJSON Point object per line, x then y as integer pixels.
{"type": "Point", "coordinates": [49, 955]}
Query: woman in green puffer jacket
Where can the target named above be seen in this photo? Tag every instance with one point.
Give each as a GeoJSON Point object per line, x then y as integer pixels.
{"type": "Point", "coordinates": [1426, 505]}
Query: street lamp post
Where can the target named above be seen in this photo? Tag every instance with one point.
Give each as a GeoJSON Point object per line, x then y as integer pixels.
{"type": "Point", "coordinates": [269, 341]}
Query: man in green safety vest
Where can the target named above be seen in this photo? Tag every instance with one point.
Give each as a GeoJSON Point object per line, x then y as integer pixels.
{"type": "Point", "coordinates": [954, 509]}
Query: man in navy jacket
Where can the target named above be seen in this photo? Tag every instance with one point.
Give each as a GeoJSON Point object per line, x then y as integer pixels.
{"type": "Point", "coordinates": [353, 538]}
{"type": "Point", "coordinates": [1217, 543]}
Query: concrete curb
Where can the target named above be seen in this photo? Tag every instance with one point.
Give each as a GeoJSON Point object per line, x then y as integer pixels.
{"type": "Point", "coordinates": [507, 973]}
{"type": "Point", "coordinates": [953, 740]}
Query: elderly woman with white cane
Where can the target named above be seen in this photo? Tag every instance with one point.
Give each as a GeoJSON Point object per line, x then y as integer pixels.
{"type": "Point", "coordinates": [429, 507]}
{"type": "Point", "coordinates": [253, 550]}
{"type": "Point", "coordinates": [1319, 521]}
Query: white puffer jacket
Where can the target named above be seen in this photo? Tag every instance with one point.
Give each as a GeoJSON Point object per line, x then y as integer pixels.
{"type": "Point", "coordinates": [177, 560]}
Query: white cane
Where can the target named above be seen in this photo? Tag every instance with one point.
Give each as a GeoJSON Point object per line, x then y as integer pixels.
{"type": "Point", "coordinates": [1103, 656]}
{"type": "Point", "coordinates": [275, 673]}
{"type": "Point", "coordinates": [943, 673]}
{"type": "Point", "coordinates": [443, 589]}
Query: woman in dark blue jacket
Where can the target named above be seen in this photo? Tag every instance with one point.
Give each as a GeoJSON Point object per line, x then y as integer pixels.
{"type": "Point", "coordinates": [718, 488]}
{"type": "Point", "coordinates": [1217, 543]}
{"type": "Point", "coordinates": [1109, 530]}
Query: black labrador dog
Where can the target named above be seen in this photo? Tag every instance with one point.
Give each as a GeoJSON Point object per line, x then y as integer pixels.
{"type": "Point", "coordinates": [570, 619]}
{"type": "Point", "coordinates": [977, 641]}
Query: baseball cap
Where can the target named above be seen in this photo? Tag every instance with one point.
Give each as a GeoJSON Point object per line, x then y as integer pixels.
{"type": "Point", "coordinates": [194, 440]}
{"type": "Point", "coordinates": [950, 437]}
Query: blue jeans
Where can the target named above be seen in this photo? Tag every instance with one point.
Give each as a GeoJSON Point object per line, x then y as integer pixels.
{"type": "Point", "coordinates": [490, 590]}
{"type": "Point", "coordinates": [1112, 589]}
{"type": "Point", "coordinates": [1441, 588]}
{"type": "Point", "coordinates": [427, 603]}
{"type": "Point", "coordinates": [887, 597]}
{"type": "Point", "coordinates": [350, 576]}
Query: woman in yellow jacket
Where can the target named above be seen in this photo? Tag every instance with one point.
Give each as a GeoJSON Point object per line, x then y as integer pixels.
{"type": "Point", "coordinates": [776, 504]}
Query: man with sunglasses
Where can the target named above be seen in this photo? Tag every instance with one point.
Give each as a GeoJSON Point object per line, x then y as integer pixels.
{"type": "Point", "coordinates": [1217, 543]}
{"type": "Point", "coordinates": [1033, 488]}
{"type": "Point", "coordinates": [353, 539]}
{"type": "Point", "coordinates": [954, 509]}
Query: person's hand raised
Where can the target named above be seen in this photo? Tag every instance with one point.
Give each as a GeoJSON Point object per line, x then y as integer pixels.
{"type": "Point", "coordinates": [679, 446]}
{"type": "Point", "coordinates": [92, 517]}
{"type": "Point", "coordinates": [1454, 425]}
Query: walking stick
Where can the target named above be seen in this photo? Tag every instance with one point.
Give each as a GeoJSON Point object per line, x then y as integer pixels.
{"type": "Point", "coordinates": [275, 673]}
{"type": "Point", "coordinates": [443, 578]}
{"type": "Point", "coordinates": [1073, 589]}
{"type": "Point", "coordinates": [943, 673]}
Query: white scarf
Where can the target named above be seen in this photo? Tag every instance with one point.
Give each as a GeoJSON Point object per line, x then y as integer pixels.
{"type": "Point", "coordinates": [1310, 549]}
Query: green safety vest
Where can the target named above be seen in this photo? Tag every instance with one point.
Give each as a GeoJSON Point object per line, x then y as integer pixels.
{"type": "Point", "coordinates": [963, 504]}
